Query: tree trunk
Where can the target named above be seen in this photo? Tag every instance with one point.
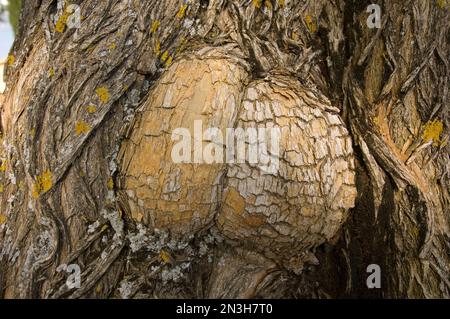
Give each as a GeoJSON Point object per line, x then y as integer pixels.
{"type": "Point", "coordinates": [364, 174]}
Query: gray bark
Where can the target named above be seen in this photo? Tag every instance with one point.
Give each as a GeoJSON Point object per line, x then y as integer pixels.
{"type": "Point", "coordinates": [72, 153]}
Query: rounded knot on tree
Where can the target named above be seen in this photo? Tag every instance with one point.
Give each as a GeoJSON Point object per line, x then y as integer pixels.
{"type": "Point", "coordinates": [281, 194]}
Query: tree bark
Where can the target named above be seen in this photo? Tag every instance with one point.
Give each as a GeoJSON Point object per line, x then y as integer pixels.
{"type": "Point", "coordinates": [87, 177]}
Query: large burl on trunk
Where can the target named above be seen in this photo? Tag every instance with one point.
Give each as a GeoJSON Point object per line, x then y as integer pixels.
{"type": "Point", "coordinates": [88, 177]}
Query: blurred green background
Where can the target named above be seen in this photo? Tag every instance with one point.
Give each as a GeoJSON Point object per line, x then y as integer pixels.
{"type": "Point", "coordinates": [14, 12]}
{"type": "Point", "coordinates": [12, 7]}
{"type": "Point", "coordinates": [9, 21]}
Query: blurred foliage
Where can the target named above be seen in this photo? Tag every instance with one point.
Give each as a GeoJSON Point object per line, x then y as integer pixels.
{"type": "Point", "coordinates": [14, 13]}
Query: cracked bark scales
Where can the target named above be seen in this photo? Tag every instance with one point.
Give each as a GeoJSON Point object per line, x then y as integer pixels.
{"type": "Point", "coordinates": [385, 88]}
{"type": "Point", "coordinates": [283, 213]}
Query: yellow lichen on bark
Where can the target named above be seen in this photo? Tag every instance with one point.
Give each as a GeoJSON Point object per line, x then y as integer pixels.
{"type": "Point", "coordinates": [433, 131]}
{"type": "Point", "coordinates": [91, 109]}
{"type": "Point", "coordinates": [11, 59]}
{"type": "Point", "coordinates": [311, 24]}
{"type": "Point", "coordinates": [110, 183]}
{"type": "Point", "coordinates": [3, 166]}
{"type": "Point", "coordinates": [182, 12]}
{"type": "Point", "coordinates": [81, 127]}
{"type": "Point", "coordinates": [43, 184]}
{"type": "Point", "coordinates": [442, 3]}
{"type": "Point", "coordinates": [157, 49]}
{"type": "Point", "coordinates": [257, 3]}
{"type": "Point", "coordinates": [62, 21]}
{"type": "Point", "coordinates": [103, 94]}
{"type": "Point", "coordinates": [155, 26]}
{"type": "Point", "coordinates": [165, 257]}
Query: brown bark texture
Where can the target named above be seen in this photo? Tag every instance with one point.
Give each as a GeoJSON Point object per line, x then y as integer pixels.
{"type": "Point", "coordinates": [87, 176]}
